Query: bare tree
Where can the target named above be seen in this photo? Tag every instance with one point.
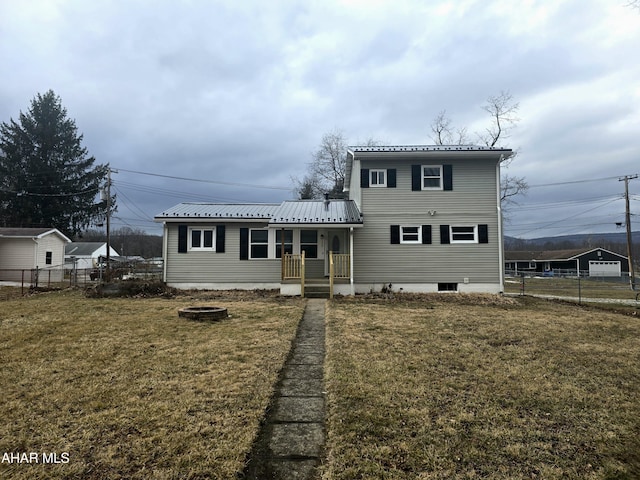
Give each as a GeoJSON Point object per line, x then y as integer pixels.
{"type": "Point", "coordinates": [329, 162]}
{"type": "Point", "coordinates": [503, 111]}
{"type": "Point", "coordinates": [444, 133]}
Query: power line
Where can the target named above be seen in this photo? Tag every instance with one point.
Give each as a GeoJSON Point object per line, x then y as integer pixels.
{"type": "Point", "coordinates": [215, 182]}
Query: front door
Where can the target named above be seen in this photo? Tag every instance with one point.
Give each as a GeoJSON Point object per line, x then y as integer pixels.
{"type": "Point", "coordinates": [336, 243]}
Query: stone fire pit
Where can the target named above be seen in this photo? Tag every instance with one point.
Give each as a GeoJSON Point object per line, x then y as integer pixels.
{"type": "Point", "coordinates": [206, 313]}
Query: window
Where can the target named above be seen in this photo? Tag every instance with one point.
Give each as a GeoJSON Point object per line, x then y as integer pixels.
{"type": "Point", "coordinates": [309, 243]}
{"type": "Point", "coordinates": [259, 243]}
{"type": "Point", "coordinates": [378, 178]}
{"type": "Point", "coordinates": [201, 239]}
{"type": "Point", "coordinates": [431, 177]}
{"type": "Point", "coordinates": [464, 234]}
{"type": "Point", "coordinates": [288, 242]}
{"type": "Point", "coordinates": [48, 258]}
{"type": "Point", "coordinates": [447, 287]}
{"type": "Point", "coordinates": [410, 234]}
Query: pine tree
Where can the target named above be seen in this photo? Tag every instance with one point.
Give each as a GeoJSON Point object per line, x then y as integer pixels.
{"type": "Point", "coordinates": [47, 178]}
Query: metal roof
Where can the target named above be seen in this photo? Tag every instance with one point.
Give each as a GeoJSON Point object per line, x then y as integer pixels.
{"type": "Point", "coordinates": [225, 211]}
{"type": "Point", "coordinates": [332, 211]}
{"type": "Point", "coordinates": [335, 212]}
{"type": "Point", "coordinates": [426, 148]}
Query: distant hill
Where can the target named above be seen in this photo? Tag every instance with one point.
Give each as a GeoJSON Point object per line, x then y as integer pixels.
{"type": "Point", "coordinates": [616, 242]}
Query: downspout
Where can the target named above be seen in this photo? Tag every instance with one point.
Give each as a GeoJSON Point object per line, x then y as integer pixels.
{"type": "Point", "coordinates": [500, 230]}
{"type": "Point", "coordinates": [351, 260]}
{"type": "Point", "coordinates": [165, 249]}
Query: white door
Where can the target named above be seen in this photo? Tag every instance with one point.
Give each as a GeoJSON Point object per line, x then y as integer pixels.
{"type": "Point", "coordinates": [604, 269]}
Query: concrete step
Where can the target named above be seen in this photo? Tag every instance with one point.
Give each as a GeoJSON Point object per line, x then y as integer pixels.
{"type": "Point", "coordinates": [317, 291]}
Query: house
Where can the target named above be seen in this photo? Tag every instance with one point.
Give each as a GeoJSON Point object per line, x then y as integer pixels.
{"type": "Point", "coordinates": [592, 262]}
{"type": "Point", "coordinates": [24, 251]}
{"type": "Point", "coordinates": [416, 219]}
{"type": "Point", "coordinates": [86, 254]}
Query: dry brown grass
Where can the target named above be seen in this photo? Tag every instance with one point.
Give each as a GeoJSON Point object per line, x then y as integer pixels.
{"type": "Point", "coordinates": [458, 386]}
{"type": "Point", "coordinates": [130, 390]}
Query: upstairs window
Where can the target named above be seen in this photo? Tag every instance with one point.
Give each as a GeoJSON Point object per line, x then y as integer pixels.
{"type": "Point", "coordinates": [201, 239]}
{"type": "Point", "coordinates": [431, 177]}
{"type": "Point", "coordinates": [378, 178]}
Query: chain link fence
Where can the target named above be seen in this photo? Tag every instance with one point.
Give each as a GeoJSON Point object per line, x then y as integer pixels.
{"type": "Point", "coordinates": [65, 276]}
{"type": "Point", "coordinates": [569, 285]}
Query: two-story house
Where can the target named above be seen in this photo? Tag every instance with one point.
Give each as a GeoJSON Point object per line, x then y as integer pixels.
{"type": "Point", "coordinates": [417, 219]}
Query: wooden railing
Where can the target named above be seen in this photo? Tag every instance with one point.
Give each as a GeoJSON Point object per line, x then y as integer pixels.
{"type": "Point", "coordinates": [339, 267]}
{"type": "Point", "coordinates": [293, 268]}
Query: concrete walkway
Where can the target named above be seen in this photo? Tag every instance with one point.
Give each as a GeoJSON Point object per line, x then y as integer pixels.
{"type": "Point", "coordinates": [290, 443]}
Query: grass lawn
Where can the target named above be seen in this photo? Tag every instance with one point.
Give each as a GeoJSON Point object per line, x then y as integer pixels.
{"type": "Point", "coordinates": [571, 287]}
{"type": "Point", "coordinates": [463, 387]}
{"type": "Point", "coordinates": [127, 389]}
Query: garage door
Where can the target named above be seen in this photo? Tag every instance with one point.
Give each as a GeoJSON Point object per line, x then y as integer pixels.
{"type": "Point", "coordinates": [604, 269]}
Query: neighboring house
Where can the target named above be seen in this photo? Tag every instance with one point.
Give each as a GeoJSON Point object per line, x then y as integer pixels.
{"type": "Point", "coordinates": [86, 254]}
{"type": "Point", "coordinates": [30, 249]}
{"type": "Point", "coordinates": [417, 219]}
{"type": "Point", "coordinates": [594, 262]}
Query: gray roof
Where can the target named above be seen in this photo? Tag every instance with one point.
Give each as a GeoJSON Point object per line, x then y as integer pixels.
{"type": "Point", "coordinates": [30, 232]}
{"type": "Point", "coordinates": [225, 211]}
{"type": "Point", "coordinates": [426, 148]}
{"type": "Point", "coordinates": [299, 212]}
{"type": "Point", "coordinates": [317, 212]}
{"type": "Point", "coordinates": [82, 248]}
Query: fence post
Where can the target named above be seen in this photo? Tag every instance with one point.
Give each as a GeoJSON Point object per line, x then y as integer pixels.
{"type": "Point", "coordinates": [579, 292]}
{"type": "Point", "coordinates": [522, 284]}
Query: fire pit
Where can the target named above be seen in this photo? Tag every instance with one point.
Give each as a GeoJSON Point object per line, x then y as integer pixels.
{"type": "Point", "coordinates": [203, 313]}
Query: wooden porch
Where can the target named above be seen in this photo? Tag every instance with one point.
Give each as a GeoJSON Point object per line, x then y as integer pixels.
{"type": "Point", "coordinates": [293, 272]}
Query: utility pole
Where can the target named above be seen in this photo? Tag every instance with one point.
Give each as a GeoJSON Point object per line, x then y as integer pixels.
{"type": "Point", "coordinates": [108, 267]}
{"type": "Point", "coordinates": [632, 278]}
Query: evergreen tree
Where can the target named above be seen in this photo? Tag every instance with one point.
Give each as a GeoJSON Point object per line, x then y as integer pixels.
{"type": "Point", "coordinates": [47, 178]}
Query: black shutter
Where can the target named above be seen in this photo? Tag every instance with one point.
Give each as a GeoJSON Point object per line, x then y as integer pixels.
{"type": "Point", "coordinates": [426, 234]}
{"type": "Point", "coordinates": [364, 178]}
{"type": "Point", "coordinates": [220, 238]}
{"type": "Point", "coordinates": [444, 234]}
{"type": "Point", "coordinates": [395, 234]}
{"type": "Point", "coordinates": [483, 233]}
{"type": "Point", "coordinates": [182, 238]}
{"type": "Point", "coordinates": [244, 244]}
{"type": "Point", "coordinates": [391, 178]}
{"type": "Point", "coordinates": [447, 177]}
{"type": "Point", "coordinates": [416, 178]}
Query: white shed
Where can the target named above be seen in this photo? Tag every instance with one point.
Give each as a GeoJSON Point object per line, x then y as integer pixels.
{"type": "Point", "coordinates": [86, 254]}
{"type": "Point", "coordinates": [26, 250]}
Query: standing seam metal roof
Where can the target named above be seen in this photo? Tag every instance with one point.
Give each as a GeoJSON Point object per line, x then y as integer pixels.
{"type": "Point", "coordinates": [288, 212]}
{"type": "Point", "coordinates": [317, 211]}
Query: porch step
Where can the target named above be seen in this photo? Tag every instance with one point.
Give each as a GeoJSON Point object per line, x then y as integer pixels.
{"type": "Point", "coordinates": [317, 290]}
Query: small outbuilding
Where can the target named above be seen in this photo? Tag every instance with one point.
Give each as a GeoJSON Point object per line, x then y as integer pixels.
{"type": "Point", "coordinates": [86, 254]}
{"type": "Point", "coordinates": [25, 252]}
{"type": "Point", "coordinates": [593, 262]}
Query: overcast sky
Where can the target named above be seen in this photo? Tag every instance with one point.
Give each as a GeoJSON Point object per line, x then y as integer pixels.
{"type": "Point", "coordinates": [242, 91]}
